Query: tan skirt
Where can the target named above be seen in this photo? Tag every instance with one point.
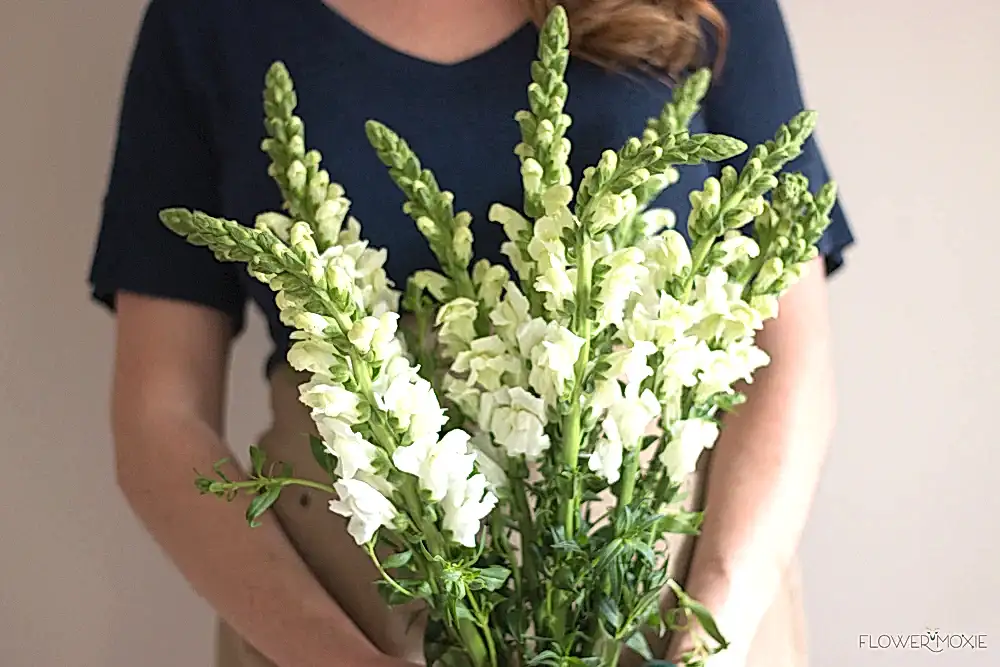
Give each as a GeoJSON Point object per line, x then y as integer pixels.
{"type": "Point", "coordinates": [345, 570]}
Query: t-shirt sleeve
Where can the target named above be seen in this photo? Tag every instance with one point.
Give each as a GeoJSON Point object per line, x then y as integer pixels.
{"type": "Point", "coordinates": [757, 91]}
{"type": "Point", "coordinates": [163, 158]}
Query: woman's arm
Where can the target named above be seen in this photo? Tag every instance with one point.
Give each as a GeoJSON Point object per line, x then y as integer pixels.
{"type": "Point", "coordinates": [764, 469]}
{"type": "Point", "coordinates": [170, 370]}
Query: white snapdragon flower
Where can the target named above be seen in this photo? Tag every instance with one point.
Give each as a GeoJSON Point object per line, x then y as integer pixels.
{"type": "Point", "coordinates": [462, 394]}
{"type": "Point", "coordinates": [354, 454]}
{"type": "Point", "coordinates": [736, 246]}
{"type": "Point", "coordinates": [683, 359]}
{"type": "Point", "coordinates": [409, 398]}
{"type": "Point", "coordinates": [633, 414]}
{"type": "Point", "coordinates": [487, 361]}
{"type": "Point", "coordinates": [465, 506]}
{"type": "Point", "coordinates": [512, 312]}
{"type": "Point", "coordinates": [611, 209]}
{"type": "Point", "coordinates": [552, 361]}
{"type": "Point", "coordinates": [688, 439]}
{"type": "Point", "coordinates": [629, 364]}
{"type": "Point", "coordinates": [438, 464]}
{"type": "Point", "coordinates": [667, 255]}
{"type": "Point", "coordinates": [490, 280]}
{"type": "Point", "coordinates": [330, 399]}
{"type": "Point", "coordinates": [514, 226]}
{"type": "Point", "coordinates": [457, 322]}
{"type": "Point", "coordinates": [489, 460]}
{"type": "Point", "coordinates": [609, 452]}
{"type": "Point", "coordinates": [312, 355]}
{"type": "Point", "coordinates": [366, 507]}
{"type": "Point", "coordinates": [548, 251]}
{"type": "Point", "coordinates": [517, 420]}
{"type": "Point", "coordinates": [721, 369]}
{"type": "Point", "coordinates": [654, 221]}
{"type": "Point", "coordinates": [766, 305]}
{"type": "Point", "coordinates": [623, 279]}
{"type": "Point", "coordinates": [277, 223]}
{"type": "Point", "coordinates": [715, 292]}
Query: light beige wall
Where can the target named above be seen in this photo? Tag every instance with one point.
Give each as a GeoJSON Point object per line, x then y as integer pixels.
{"type": "Point", "coordinates": [904, 534]}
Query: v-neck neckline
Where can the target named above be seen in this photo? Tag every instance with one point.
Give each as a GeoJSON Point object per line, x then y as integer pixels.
{"type": "Point", "coordinates": [393, 57]}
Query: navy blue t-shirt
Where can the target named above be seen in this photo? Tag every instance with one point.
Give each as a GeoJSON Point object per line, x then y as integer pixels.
{"type": "Point", "coordinates": [191, 124]}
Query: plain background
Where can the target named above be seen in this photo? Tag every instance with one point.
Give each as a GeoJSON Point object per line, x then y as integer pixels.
{"type": "Point", "coordinates": [904, 535]}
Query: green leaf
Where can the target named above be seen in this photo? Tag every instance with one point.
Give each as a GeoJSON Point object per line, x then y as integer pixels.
{"type": "Point", "coordinates": [638, 643]}
{"type": "Point", "coordinates": [257, 460]}
{"type": "Point", "coordinates": [545, 658]}
{"type": "Point", "coordinates": [261, 503]}
{"type": "Point", "coordinates": [707, 622]}
{"type": "Point", "coordinates": [325, 460]}
{"type": "Point", "coordinates": [463, 612]}
{"type": "Point", "coordinates": [397, 560]}
{"type": "Point", "coordinates": [609, 613]}
{"type": "Point", "coordinates": [684, 523]}
{"type": "Point", "coordinates": [493, 578]}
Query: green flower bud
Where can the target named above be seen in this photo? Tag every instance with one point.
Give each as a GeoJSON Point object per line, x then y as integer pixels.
{"type": "Point", "coordinates": [462, 245]}
{"type": "Point", "coordinates": [296, 175]}
{"type": "Point", "coordinates": [301, 238]}
{"type": "Point", "coordinates": [276, 223]}
{"type": "Point", "coordinates": [769, 273]}
{"type": "Point", "coordinates": [427, 227]}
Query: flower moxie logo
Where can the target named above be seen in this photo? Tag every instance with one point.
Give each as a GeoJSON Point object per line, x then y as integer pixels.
{"type": "Point", "coordinates": [932, 640]}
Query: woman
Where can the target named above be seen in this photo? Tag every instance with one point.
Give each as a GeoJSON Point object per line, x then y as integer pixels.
{"type": "Point", "coordinates": [448, 75]}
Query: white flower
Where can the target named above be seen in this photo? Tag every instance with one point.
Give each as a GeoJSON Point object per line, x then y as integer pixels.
{"type": "Point", "coordinates": [278, 224]}
{"type": "Point", "coordinates": [438, 464]}
{"type": "Point", "coordinates": [513, 222]}
{"type": "Point", "coordinates": [517, 421]}
{"type": "Point", "coordinates": [330, 400]}
{"type": "Point", "coordinates": [488, 458]}
{"type": "Point", "coordinates": [667, 255]}
{"type": "Point", "coordinates": [553, 359]}
{"type": "Point", "coordinates": [546, 248]}
{"type": "Point", "coordinates": [462, 394]}
{"type": "Point", "coordinates": [715, 292]}
{"type": "Point", "coordinates": [487, 361]}
{"type": "Point", "coordinates": [362, 332]}
{"type": "Point", "coordinates": [610, 209]}
{"type": "Point", "coordinates": [490, 280]}
{"type": "Point", "coordinates": [735, 246]}
{"type": "Point", "coordinates": [510, 313]}
{"type": "Point", "coordinates": [682, 360]}
{"type": "Point", "coordinates": [366, 507]}
{"type": "Point", "coordinates": [465, 506]}
{"type": "Point", "coordinates": [606, 393]}
{"type": "Point", "coordinates": [354, 453]}
{"type": "Point", "coordinates": [312, 355]}
{"type": "Point", "coordinates": [409, 398]}
{"type": "Point", "coordinates": [688, 439]}
{"type": "Point", "coordinates": [723, 368]}
{"type": "Point", "coordinates": [606, 459]}
{"type": "Point", "coordinates": [623, 279]}
{"type": "Point", "coordinates": [457, 322]}
{"type": "Point", "coordinates": [766, 305]}
{"type": "Point", "coordinates": [629, 364]}
{"type": "Point", "coordinates": [633, 414]}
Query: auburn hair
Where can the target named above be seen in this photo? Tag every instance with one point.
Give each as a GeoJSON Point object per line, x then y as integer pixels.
{"type": "Point", "coordinates": [662, 36]}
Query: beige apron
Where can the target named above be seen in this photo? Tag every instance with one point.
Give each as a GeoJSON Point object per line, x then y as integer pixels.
{"type": "Point", "coordinates": [347, 573]}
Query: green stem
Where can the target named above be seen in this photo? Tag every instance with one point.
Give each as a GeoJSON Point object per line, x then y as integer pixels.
{"type": "Point", "coordinates": [629, 473]}
{"type": "Point", "coordinates": [573, 426]}
{"type": "Point", "coordinates": [253, 484]}
{"type": "Point", "coordinates": [385, 575]}
{"type": "Point", "coordinates": [484, 625]}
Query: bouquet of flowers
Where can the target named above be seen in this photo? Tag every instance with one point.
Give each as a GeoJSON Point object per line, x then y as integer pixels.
{"type": "Point", "coordinates": [514, 460]}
